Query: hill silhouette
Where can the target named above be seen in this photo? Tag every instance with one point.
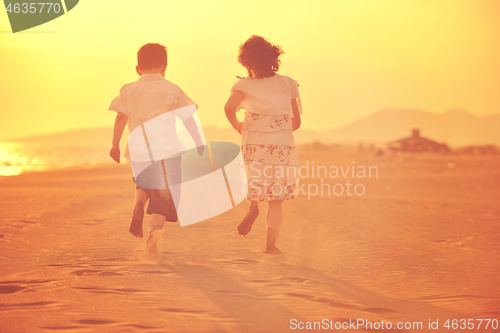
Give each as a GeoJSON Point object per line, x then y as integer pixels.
{"type": "Point", "coordinates": [455, 127]}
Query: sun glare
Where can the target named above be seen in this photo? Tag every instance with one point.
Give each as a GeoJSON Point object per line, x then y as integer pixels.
{"type": "Point", "coordinates": [353, 56]}
{"type": "Point", "coordinates": [11, 161]}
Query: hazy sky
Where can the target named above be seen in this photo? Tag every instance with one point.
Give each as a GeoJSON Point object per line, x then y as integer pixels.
{"type": "Point", "coordinates": [350, 57]}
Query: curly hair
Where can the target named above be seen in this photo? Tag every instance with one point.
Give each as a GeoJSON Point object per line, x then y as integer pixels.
{"type": "Point", "coordinates": [151, 55]}
{"type": "Point", "coordinates": [259, 57]}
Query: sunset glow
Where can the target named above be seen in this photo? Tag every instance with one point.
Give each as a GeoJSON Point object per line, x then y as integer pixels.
{"type": "Point", "coordinates": [351, 58]}
{"type": "Point", "coordinates": [357, 189]}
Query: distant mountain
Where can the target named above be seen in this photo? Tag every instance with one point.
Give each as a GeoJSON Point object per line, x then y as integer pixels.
{"type": "Point", "coordinates": [99, 136]}
{"type": "Point", "coordinates": [455, 127]}
{"type": "Point", "coordinates": [94, 137]}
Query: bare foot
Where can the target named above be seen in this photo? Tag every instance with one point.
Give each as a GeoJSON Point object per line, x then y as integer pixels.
{"type": "Point", "coordinates": [272, 250]}
{"type": "Point", "coordinates": [153, 248]}
{"type": "Point", "coordinates": [271, 242]}
{"type": "Point", "coordinates": [136, 224]}
{"type": "Point", "coordinates": [247, 223]}
{"type": "Point", "coordinates": [152, 242]}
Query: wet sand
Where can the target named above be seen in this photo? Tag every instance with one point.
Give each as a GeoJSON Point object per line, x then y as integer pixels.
{"type": "Point", "coordinates": [421, 244]}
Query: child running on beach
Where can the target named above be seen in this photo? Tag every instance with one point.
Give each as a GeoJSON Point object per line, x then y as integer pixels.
{"type": "Point", "coordinates": [273, 111]}
{"type": "Point", "coordinates": [139, 102]}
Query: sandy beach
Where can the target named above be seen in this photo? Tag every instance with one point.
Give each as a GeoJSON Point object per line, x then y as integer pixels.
{"type": "Point", "coordinates": [420, 245]}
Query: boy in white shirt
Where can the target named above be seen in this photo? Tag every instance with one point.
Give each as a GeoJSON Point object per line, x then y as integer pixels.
{"type": "Point", "coordinates": [154, 100]}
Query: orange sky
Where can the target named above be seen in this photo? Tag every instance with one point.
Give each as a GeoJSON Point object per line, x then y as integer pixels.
{"type": "Point", "coordinates": [350, 57]}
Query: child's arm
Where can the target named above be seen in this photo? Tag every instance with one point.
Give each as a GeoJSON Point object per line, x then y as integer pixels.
{"type": "Point", "coordinates": [230, 108]}
{"type": "Point", "coordinates": [192, 128]}
{"type": "Point", "coordinates": [120, 122]}
{"type": "Point", "coordinates": [296, 115]}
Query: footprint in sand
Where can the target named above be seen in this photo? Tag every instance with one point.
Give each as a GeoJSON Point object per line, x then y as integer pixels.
{"type": "Point", "coordinates": [66, 266]}
{"type": "Point", "coordinates": [459, 242]}
{"type": "Point", "coordinates": [82, 324]}
{"type": "Point", "coordinates": [33, 305]}
{"type": "Point", "coordinates": [176, 310]}
{"type": "Point", "coordinates": [240, 261]}
{"type": "Point", "coordinates": [157, 272]}
{"type": "Point", "coordinates": [335, 304]}
{"type": "Point", "coordinates": [297, 279]}
{"type": "Point", "coordinates": [445, 298]}
{"type": "Point", "coordinates": [20, 224]}
{"type": "Point", "coordinates": [81, 272]}
{"type": "Point", "coordinates": [96, 322]}
{"type": "Point", "coordinates": [142, 327]}
{"type": "Point", "coordinates": [10, 287]}
{"type": "Point", "coordinates": [192, 313]}
{"type": "Point", "coordinates": [236, 293]}
{"type": "Point", "coordinates": [61, 328]}
{"type": "Point", "coordinates": [287, 282]}
{"type": "Point", "coordinates": [26, 221]}
{"type": "Point", "coordinates": [121, 291]}
{"type": "Point", "coordinates": [94, 222]}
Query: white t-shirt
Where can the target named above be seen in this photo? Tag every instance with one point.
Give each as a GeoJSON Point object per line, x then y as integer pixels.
{"type": "Point", "coordinates": [270, 95]}
{"type": "Point", "coordinates": [153, 102]}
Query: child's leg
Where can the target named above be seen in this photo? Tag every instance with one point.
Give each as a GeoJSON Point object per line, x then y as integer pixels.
{"type": "Point", "coordinates": [160, 209]}
{"type": "Point", "coordinates": [247, 223]}
{"type": "Point", "coordinates": [157, 222]}
{"type": "Point", "coordinates": [141, 198]}
{"type": "Point", "coordinates": [274, 218]}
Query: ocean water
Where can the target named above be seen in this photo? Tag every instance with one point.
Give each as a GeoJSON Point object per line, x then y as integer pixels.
{"type": "Point", "coordinates": [82, 147]}
{"type": "Point", "coordinates": [19, 157]}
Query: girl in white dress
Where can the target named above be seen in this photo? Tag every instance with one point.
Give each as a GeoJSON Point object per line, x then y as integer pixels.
{"type": "Point", "coordinates": [273, 110]}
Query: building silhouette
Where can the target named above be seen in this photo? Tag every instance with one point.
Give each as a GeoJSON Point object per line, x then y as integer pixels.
{"type": "Point", "coordinates": [417, 143]}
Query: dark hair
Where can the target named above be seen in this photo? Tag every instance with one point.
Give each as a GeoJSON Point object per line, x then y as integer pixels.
{"type": "Point", "coordinates": [151, 55]}
{"type": "Point", "coordinates": [259, 57]}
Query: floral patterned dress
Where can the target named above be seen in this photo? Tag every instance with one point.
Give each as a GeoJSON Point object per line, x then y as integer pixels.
{"type": "Point", "coordinates": [268, 146]}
